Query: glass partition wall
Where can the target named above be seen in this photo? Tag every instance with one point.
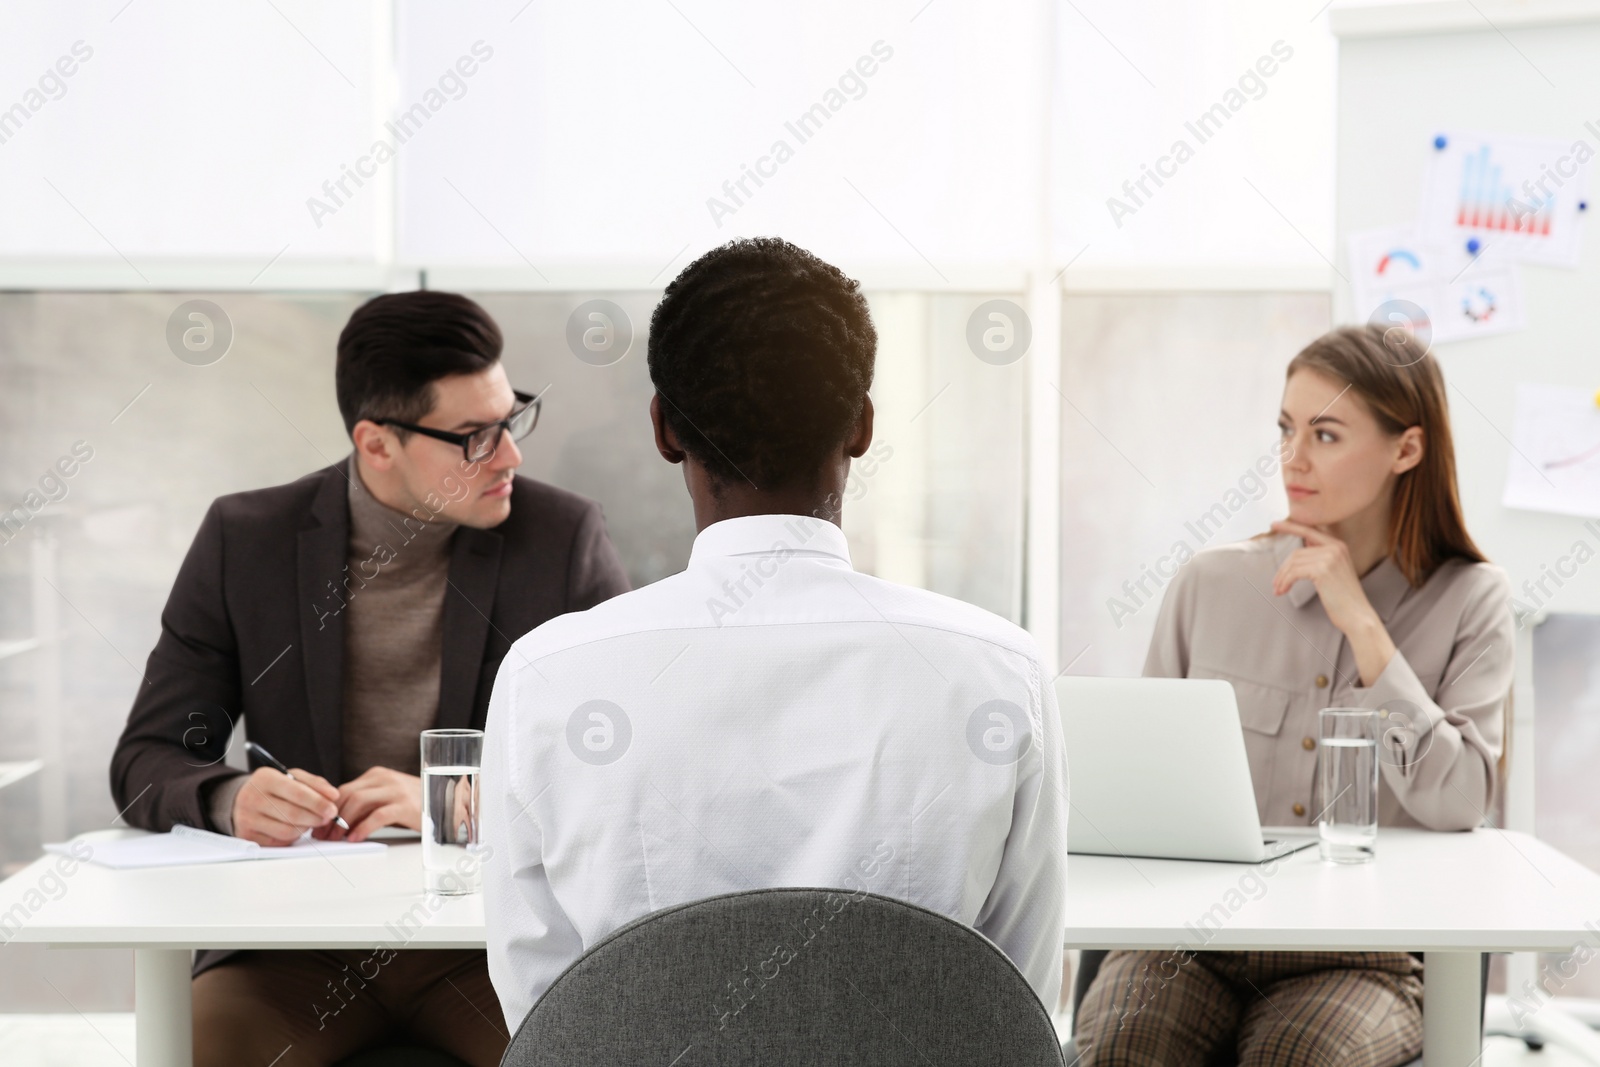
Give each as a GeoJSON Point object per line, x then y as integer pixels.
{"type": "Point", "coordinates": [96, 385]}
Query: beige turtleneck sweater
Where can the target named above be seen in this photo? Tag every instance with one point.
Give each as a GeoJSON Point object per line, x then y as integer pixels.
{"type": "Point", "coordinates": [393, 631]}
{"type": "Point", "coordinates": [393, 634]}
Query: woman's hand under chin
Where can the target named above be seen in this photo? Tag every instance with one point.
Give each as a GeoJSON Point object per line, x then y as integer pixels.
{"type": "Point", "coordinates": [1325, 562]}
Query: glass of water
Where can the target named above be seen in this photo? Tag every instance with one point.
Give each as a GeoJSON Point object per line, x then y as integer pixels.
{"type": "Point", "coordinates": [451, 860]}
{"type": "Point", "coordinates": [1347, 773]}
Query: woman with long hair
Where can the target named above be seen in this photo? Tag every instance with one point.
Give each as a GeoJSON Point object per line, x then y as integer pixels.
{"type": "Point", "coordinates": [1370, 594]}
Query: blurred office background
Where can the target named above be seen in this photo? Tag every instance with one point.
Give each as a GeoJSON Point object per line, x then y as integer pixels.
{"type": "Point", "coordinates": [964, 153]}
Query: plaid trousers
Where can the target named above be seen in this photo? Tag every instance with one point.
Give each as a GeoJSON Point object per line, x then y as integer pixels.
{"type": "Point", "coordinates": [1276, 1009]}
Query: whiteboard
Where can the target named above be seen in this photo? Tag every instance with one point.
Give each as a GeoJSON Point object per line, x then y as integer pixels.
{"type": "Point", "coordinates": [1407, 73]}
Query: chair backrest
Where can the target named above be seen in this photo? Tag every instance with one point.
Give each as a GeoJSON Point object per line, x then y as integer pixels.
{"type": "Point", "coordinates": [789, 976]}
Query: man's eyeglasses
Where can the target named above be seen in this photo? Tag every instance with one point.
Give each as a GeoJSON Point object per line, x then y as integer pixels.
{"type": "Point", "coordinates": [481, 443]}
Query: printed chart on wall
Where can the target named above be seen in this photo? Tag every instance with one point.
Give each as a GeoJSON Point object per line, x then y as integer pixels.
{"type": "Point", "coordinates": [1397, 272]}
{"type": "Point", "coordinates": [1555, 460]}
{"type": "Point", "coordinates": [1519, 198]}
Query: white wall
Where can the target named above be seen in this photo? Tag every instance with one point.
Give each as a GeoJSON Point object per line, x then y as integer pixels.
{"type": "Point", "coordinates": [585, 143]}
{"type": "Point", "coordinates": [187, 130]}
{"type": "Point", "coordinates": [1257, 191]}
{"type": "Point", "coordinates": [598, 134]}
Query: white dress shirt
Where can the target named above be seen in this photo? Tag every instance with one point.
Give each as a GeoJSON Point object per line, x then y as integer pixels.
{"type": "Point", "coordinates": [770, 717]}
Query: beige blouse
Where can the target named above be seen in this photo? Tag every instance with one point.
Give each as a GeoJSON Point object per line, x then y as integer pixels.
{"type": "Point", "coordinates": [1450, 676]}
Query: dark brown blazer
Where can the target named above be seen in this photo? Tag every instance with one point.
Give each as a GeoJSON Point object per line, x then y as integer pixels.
{"type": "Point", "coordinates": [254, 628]}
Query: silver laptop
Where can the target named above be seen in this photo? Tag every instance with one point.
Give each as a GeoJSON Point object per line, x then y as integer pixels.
{"type": "Point", "coordinates": [1158, 769]}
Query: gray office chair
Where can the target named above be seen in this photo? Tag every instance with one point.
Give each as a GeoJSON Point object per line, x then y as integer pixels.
{"type": "Point", "coordinates": [1089, 961]}
{"type": "Point", "coordinates": [789, 976]}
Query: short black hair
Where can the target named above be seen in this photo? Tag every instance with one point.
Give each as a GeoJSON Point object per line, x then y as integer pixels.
{"type": "Point", "coordinates": [762, 355]}
{"type": "Point", "coordinates": [397, 345]}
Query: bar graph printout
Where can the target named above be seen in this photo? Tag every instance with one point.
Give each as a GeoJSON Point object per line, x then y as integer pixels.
{"type": "Point", "coordinates": [1518, 198]}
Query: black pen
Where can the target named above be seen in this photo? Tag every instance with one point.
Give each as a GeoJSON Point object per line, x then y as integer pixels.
{"type": "Point", "coordinates": [272, 761]}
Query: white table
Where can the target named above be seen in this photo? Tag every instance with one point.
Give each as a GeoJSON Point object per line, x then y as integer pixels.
{"type": "Point", "coordinates": [356, 902]}
{"type": "Point", "coordinates": [1453, 896]}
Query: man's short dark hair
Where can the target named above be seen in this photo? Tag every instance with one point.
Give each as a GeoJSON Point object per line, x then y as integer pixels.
{"type": "Point", "coordinates": [762, 355]}
{"type": "Point", "coordinates": [397, 345]}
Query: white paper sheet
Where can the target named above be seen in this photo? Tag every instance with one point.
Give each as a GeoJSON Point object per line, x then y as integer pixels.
{"type": "Point", "coordinates": [1555, 458]}
{"type": "Point", "coordinates": [187, 846]}
{"type": "Point", "coordinates": [1463, 296]}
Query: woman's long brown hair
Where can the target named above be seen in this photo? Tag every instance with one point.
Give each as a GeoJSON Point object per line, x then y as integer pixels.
{"type": "Point", "coordinates": [1402, 390]}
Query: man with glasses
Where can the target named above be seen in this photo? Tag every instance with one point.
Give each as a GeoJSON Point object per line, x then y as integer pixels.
{"type": "Point", "coordinates": [341, 615]}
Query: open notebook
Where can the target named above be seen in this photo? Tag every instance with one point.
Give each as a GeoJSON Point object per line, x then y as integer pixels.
{"type": "Point", "coordinates": [186, 846]}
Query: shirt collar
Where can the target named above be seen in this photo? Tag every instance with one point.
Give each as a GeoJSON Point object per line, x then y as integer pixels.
{"type": "Point", "coordinates": [754, 535]}
{"type": "Point", "coordinates": [1384, 584]}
